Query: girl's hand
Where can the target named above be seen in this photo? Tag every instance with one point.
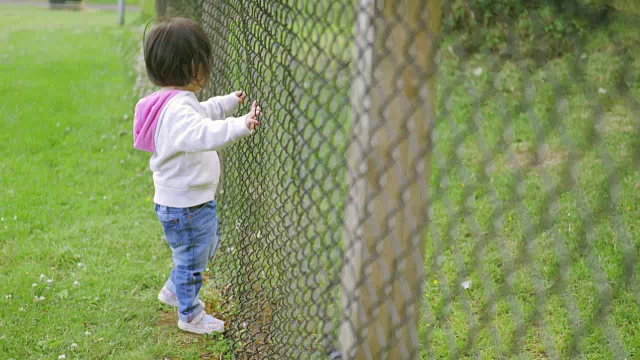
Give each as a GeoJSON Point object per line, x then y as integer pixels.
{"type": "Point", "coordinates": [241, 95]}
{"type": "Point", "coordinates": [252, 117]}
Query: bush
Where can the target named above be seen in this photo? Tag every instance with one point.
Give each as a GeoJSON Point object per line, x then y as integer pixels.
{"type": "Point", "coordinates": [533, 28]}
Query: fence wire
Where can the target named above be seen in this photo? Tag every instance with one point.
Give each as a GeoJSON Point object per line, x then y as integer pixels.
{"type": "Point", "coordinates": [430, 180]}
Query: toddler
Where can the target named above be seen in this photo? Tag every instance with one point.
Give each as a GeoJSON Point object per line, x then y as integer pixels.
{"type": "Point", "coordinates": [183, 135]}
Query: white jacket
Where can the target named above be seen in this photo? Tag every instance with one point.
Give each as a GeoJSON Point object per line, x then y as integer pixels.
{"type": "Point", "coordinates": [185, 165]}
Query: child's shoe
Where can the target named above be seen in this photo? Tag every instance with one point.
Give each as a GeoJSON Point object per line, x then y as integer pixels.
{"type": "Point", "coordinates": [168, 297]}
{"type": "Point", "coordinates": [203, 323]}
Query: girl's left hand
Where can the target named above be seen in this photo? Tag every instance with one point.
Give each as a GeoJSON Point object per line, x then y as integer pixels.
{"type": "Point", "coordinates": [241, 95]}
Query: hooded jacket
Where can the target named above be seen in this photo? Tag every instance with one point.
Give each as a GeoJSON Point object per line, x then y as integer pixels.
{"type": "Point", "coordinates": [183, 136]}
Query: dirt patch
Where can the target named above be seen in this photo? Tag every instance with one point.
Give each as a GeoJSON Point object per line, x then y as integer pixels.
{"type": "Point", "coordinates": [169, 321]}
{"type": "Point", "coordinates": [618, 120]}
{"type": "Point", "coordinates": [255, 328]}
{"type": "Point", "coordinates": [524, 155]}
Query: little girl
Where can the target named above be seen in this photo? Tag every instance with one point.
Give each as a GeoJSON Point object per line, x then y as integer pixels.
{"type": "Point", "coordinates": [183, 135]}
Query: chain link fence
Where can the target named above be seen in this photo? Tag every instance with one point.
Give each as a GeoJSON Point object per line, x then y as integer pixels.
{"type": "Point", "coordinates": [369, 218]}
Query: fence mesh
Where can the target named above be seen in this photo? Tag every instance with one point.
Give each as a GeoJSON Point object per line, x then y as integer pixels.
{"type": "Point", "coordinates": [370, 218]}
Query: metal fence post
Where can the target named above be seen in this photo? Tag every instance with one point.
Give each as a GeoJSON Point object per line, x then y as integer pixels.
{"type": "Point", "coordinates": [393, 101]}
{"type": "Point", "coordinates": [120, 12]}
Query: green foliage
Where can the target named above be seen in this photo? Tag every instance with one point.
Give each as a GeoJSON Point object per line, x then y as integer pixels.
{"type": "Point", "coordinates": [541, 29]}
{"type": "Point", "coordinates": [465, 13]}
{"type": "Point", "coordinates": [147, 9]}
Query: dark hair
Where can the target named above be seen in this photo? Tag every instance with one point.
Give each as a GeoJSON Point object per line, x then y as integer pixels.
{"type": "Point", "coordinates": [175, 50]}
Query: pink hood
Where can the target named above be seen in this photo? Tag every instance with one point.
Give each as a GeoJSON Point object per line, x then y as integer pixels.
{"type": "Point", "coordinates": [145, 120]}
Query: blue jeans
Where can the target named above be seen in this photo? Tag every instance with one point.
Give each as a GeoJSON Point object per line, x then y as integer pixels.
{"type": "Point", "coordinates": [192, 234]}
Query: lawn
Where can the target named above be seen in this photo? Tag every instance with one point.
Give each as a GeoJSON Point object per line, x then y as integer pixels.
{"type": "Point", "coordinates": [81, 253]}
{"type": "Point", "coordinates": [114, 3]}
{"type": "Point", "coordinates": [535, 202]}
{"type": "Point", "coordinates": [524, 204]}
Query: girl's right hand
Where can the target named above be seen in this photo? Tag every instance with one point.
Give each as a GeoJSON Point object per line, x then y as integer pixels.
{"type": "Point", "coordinates": [252, 117]}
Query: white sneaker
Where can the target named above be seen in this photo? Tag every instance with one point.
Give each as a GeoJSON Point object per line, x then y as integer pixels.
{"type": "Point", "coordinates": [203, 323]}
{"type": "Point", "coordinates": [170, 298]}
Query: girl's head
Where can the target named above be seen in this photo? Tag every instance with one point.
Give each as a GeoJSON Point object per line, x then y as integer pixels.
{"type": "Point", "coordinates": [177, 53]}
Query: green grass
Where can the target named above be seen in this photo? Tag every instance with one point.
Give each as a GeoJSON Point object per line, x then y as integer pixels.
{"type": "Point", "coordinates": [112, 2]}
{"type": "Point", "coordinates": [75, 198]}
{"type": "Point", "coordinates": [552, 252]}
{"type": "Point", "coordinates": [74, 192]}
{"type": "Point", "coordinates": [549, 267]}
{"type": "Point", "coordinates": [138, 3]}
{"type": "Point", "coordinates": [22, 19]}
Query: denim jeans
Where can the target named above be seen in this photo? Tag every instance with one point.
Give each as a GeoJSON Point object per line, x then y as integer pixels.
{"type": "Point", "coordinates": [192, 234]}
